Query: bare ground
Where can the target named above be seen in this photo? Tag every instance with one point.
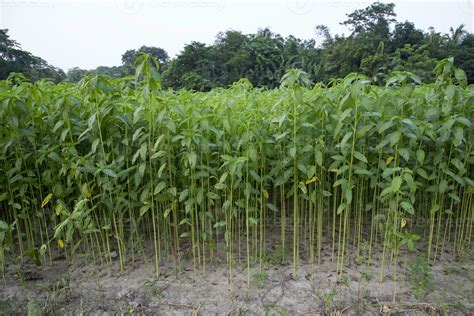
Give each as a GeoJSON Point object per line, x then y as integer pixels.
{"type": "Point", "coordinates": [81, 287]}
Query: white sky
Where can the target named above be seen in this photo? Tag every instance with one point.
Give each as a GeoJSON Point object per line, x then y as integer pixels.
{"type": "Point", "coordinates": [90, 33]}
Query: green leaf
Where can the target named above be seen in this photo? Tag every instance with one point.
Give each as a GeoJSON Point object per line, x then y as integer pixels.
{"type": "Point", "coordinates": [345, 139]}
{"type": "Point", "coordinates": [339, 182]}
{"type": "Point", "coordinates": [360, 156]}
{"type": "Point", "coordinates": [459, 165]}
{"type": "Point", "coordinates": [396, 183]}
{"type": "Point", "coordinates": [142, 168]}
{"type": "Point", "coordinates": [293, 152]}
{"type": "Point", "coordinates": [109, 172]}
{"type": "Point", "coordinates": [340, 209]}
{"type": "Point", "coordinates": [420, 156]}
{"type": "Point", "coordinates": [422, 173]}
{"type": "Point", "coordinates": [384, 126]}
{"type": "Point", "coordinates": [272, 207]}
{"type": "Point", "coordinates": [144, 209]}
{"type": "Point", "coordinates": [385, 191]}
{"type": "Point", "coordinates": [137, 134]}
{"type": "Point", "coordinates": [212, 196]}
{"type": "Point", "coordinates": [361, 171]}
{"type": "Point", "coordinates": [408, 207]}
{"type": "Point", "coordinates": [458, 136]}
{"type": "Point", "coordinates": [410, 245]}
{"type": "Point", "coordinates": [219, 224]}
{"type": "Point", "coordinates": [319, 158]}
{"type": "Point", "coordinates": [394, 137]}
{"type": "Point", "coordinates": [185, 235]}
{"type": "Point", "coordinates": [94, 145]}
{"type": "Point", "coordinates": [443, 185]}
{"type": "Point", "coordinates": [192, 158]}
{"type": "Point", "coordinates": [345, 114]}
{"type": "Point", "coordinates": [280, 136]}
{"type": "Point", "coordinates": [348, 196]}
{"type": "Point", "coordinates": [184, 194]}
{"type": "Point", "coordinates": [58, 125]}
{"type": "Point", "coordinates": [460, 75]}
{"type": "Point", "coordinates": [409, 180]}
{"type": "Point", "coordinates": [159, 187]}
{"type": "Point", "coordinates": [171, 125]}
{"type": "Point", "coordinates": [143, 151]}
{"type": "Point", "coordinates": [389, 171]}
{"type": "Point", "coordinates": [185, 221]}
{"type": "Point", "coordinates": [3, 196]}
{"type": "Point", "coordinates": [405, 153]}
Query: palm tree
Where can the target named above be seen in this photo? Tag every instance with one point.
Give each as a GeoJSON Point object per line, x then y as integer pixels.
{"type": "Point", "coordinates": [457, 35]}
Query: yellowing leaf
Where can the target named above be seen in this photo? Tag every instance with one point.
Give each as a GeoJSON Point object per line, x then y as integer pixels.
{"type": "Point", "coordinates": [42, 250]}
{"type": "Point", "coordinates": [61, 243]}
{"type": "Point", "coordinates": [313, 179]}
{"type": "Point", "coordinates": [46, 199]}
{"type": "Point", "coordinates": [265, 194]}
{"type": "Point", "coordinates": [58, 209]}
{"type": "Point", "coordinates": [403, 223]}
{"type": "Point", "coordinates": [303, 187]}
{"type": "Point", "coordinates": [389, 160]}
{"type": "Point", "coordinates": [87, 193]}
{"type": "Point", "coordinates": [334, 170]}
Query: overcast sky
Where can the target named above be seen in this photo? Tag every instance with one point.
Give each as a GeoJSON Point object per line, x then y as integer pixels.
{"type": "Point", "coordinates": [88, 34]}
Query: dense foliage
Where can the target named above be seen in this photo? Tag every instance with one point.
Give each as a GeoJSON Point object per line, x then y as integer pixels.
{"type": "Point", "coordinates": [107, 165]}
{"type": "Point", "coordinates": [377, 45]}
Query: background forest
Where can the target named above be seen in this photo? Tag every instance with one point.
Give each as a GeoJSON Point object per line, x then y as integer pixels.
{"type": "Point", "coordinates": [377, 45]}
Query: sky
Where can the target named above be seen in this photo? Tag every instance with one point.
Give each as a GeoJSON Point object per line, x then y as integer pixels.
{"type": "Point", "coordinates": [87, 34]}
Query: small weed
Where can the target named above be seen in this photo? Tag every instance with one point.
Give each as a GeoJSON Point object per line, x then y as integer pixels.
{"type": "Point", "coordinates": [32, 309]}
{"type": "Point", "coordinates": [420, 277]}
{"type": "Point", "coordinates": [327, 299]}
{"type": "Point", "coordinates": [363, 258]}
{"type": "Point", "coordinates": [5, 307]}
{"type": "Point", "coordinates": [154, 292]}
{"type": "Point", "coordinates": [471, 274]}
{"type": "Point", "coordinates": [366, 276]}
{"type": "Point", "coordinates": [276, 309]}
{"type": "Point", "coordinates": [450, 270]}
{"type": "Point", "coordinates": [344, 280]}
{"type": "Point", "coordinates": [260, 278]}
{"type": "Point", "coordinates": [59, 293]}
{"type": "Point", "coordinates": [278, 256]}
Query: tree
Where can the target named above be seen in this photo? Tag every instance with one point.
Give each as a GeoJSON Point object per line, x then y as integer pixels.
{"type": "Point", "coordinates": [323, 36]}
{"type": "Point", "coordinates": [14, 59]}
{"type": "Point", "coordinates": [405, 33]}
{"type": "Point", "coordinates": [130, 55]}
{"type": "Point", "coordinates": [457, 35]}
{"type": "Point", "coordinates": [192, 69]}
{"type": "Point", "coordinates": [76, 74]}
{"type": "Point", "coordinates": [415, 59]}
{"type": "Point", "coordinates": [232, 56]}
{"type": "Point", "coordinates": [464, 56]}
{"type": "Point", "coordinates": [375, 66]}
{"type": "Point", "coordinates": [375, 18]}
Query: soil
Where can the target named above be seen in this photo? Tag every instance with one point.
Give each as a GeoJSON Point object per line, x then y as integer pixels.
{"type": "Point", "coordinates": [80, 287]}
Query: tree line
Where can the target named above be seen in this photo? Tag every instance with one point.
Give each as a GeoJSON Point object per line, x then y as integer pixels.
{"type": "Point", "coordinates": [376, 46]}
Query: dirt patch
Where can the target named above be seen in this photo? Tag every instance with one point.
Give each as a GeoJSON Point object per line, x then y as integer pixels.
{"type": "Point", "coordinates": [80, 287]}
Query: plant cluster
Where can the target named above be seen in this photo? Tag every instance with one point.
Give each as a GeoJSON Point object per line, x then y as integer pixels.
{"type": "Point", "coordinates": [104, 166]}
